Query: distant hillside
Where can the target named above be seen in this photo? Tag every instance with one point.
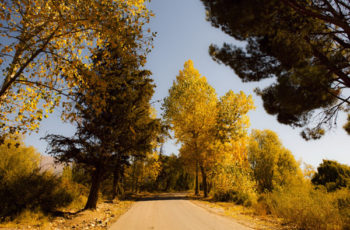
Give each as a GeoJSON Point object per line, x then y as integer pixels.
{"type": "Point", "coordinates": [48, 163]}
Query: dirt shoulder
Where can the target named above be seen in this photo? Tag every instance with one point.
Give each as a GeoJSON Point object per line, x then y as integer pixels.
{"type": "Point", "coordinates": [242, 215]}
{"type": "Point", "coordinates": [101, 218]}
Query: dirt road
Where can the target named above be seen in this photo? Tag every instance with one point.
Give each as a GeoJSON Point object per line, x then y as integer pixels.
{"type": "Point", "coordinates": [172, 212]}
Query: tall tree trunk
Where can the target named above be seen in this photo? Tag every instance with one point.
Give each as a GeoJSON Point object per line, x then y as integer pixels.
{"type": "Point", "coordinates": [204, 178]}
{"type": "Point", "coordinates": [167, 185]}
{"type": "Point", "coordinates": [116, 179]}
{"type": "Point", "coordinates": [196, 182]}
{"type": "Point", "coordinates": [133, 183]}
{"type": "Point", "coordinates": [121, 185]}
{"type": "Point", "coordinates": [95, 186]}
{"type": "Point", "coordinates": [139, 185]}
{"type": "Point", "coordinates": [210, 185]}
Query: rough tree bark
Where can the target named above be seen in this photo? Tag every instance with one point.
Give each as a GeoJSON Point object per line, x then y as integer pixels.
{"type": "Point", "coordinates": [196, 182]}
{"type": "Point", "coordinates": [95, 186]}
{"type": "Point", "coordinates": [204, 178]}
{"type": "Point", "coordinates": [133, 179]}
{"type": "Point", "coordinates": [116, 180]}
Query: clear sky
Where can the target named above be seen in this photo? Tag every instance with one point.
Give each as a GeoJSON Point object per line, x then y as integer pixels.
{"type": "Point", "coordinates": [183, 33]}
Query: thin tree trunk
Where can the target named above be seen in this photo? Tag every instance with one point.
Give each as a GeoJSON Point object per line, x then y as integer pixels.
{"type": "Point", "coordinates": [167, 185]}
{"type": "Point", "coordinates": [121, 185]}
{"type": "Point", "coordinates": [196, 182]}
{"type": "Point", "coordinates": [116, 179]}
{"type": "Point", "coordinates": [139, 186]}
{"type": "Point", "coordinates": [95, 186]}
{"type": "Point", "coordinates": [133, 183]}
{"type": "Point", "coordinates": [204, 178]}
{"type": "Point", "coordinates": [210, 185]}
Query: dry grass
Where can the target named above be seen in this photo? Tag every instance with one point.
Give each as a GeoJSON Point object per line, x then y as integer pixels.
{"type": "Point", "coordinates": [77, 204]}
{"type": "Point", "coordinates": [308, 208]}
{"type": "Point", "coordinates": [101, 218]}
{"type": "Point", "coordinates": [28, 219]}
{"type": "Point", "coordinates": [243, 215]}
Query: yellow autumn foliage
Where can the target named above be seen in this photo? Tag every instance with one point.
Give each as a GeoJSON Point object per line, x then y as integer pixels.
{"type": "Point", "coordinates": [212, 131]}
{"type": "Point", "coordinates": [46, 53]}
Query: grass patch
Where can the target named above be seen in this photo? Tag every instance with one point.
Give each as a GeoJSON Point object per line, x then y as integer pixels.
{"type": "Point", "coordinates": [36, 219]}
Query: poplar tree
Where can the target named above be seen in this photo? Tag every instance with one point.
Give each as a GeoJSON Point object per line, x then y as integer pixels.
{"type": "Point", "coordinates": [202, 123]}
{"type": "Point", "coordinates": [190, 108]}
{"type": "Point", "coordinates": [45, 51]}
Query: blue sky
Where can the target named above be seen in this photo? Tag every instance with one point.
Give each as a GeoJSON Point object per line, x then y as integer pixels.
{"type": "Point", "coordinates": [183, 33]}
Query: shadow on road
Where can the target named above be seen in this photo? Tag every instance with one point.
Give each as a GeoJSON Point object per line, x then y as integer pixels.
{"type": "Point", "coordinates": [165, 196]}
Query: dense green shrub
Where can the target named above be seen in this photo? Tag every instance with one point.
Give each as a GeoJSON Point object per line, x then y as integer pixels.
{"type": "Point", "coordinates": [37, 190]}
{"type": "Point", "coordinates": [332, 175]}
{"type": "Point", "coordinates": [23, 186]}
{"type": "Point", "coordinates": [238, 197]}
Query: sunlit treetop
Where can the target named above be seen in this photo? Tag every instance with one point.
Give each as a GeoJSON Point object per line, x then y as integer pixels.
{"type": "Point", "coordinates": [46, 50]}
{"type": "Point", "coordinates": [233, 120]}
{"type": "Point", "coordinates": [205, 125]}
{"type": "Point", "coordinates": [191, 105]}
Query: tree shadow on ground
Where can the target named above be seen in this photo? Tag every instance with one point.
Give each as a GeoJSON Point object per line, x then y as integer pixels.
{"type": "Point", "coordinates": [165, 196]}
{"type": "Point", "coordinates": [66, 215]}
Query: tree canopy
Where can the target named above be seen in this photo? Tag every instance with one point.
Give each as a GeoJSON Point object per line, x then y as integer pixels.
{"type": "Point", "coordinates": [191, 110]}
{"type": "Point", "coordinates": [106, 136]}
{"type": "Point", "coordinates": [304, 45]}
{"type": "Point", "coordinates": [273, 165]}
{"type": "Point", "coordinates": [205, 125]}
{"type": "Point", "coordinates": [46, 49]}
{"type": "Point", "coordinates": [332, 175]}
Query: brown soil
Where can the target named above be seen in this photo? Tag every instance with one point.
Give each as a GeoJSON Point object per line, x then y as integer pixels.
{"type": "Point", "coordinates": [101, 218]}
{"type": "Point", "coordinates": [243, 215]}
